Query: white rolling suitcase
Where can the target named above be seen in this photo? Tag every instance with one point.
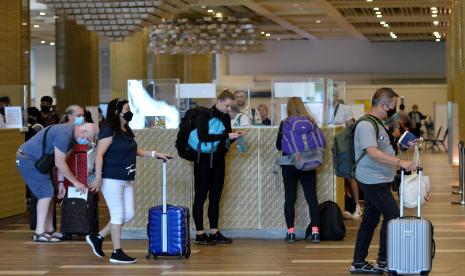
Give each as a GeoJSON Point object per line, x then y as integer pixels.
{"type": "Point", "coordinates": [410, 243]}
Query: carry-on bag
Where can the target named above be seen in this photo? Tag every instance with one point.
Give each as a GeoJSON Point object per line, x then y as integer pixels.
{"type": "Point", "coordinates": [79, 216]}
{"type": "Point", "coordinates": [410, 243]}
{"type": "Point", "coordinates": [168, 228]}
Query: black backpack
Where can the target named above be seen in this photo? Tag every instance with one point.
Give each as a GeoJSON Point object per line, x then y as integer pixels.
{"type": "Point", "coordinates": [186, 126]}
{"type": "Point", "coordinates": [332, 226]}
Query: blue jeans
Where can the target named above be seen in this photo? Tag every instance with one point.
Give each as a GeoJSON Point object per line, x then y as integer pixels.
{"type": "Point", "coordinates": [378, 201]}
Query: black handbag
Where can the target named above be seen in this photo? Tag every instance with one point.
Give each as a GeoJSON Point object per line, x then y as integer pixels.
{"type": "Point", "coordinates": [47, 160]}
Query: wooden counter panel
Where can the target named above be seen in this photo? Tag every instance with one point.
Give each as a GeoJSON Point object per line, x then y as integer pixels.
{"type": "Point", "coordinates": [12, 197]}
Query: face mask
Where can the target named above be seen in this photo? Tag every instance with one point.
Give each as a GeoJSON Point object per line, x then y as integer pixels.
{"type": "Point", "coordinates": [128, 116]}
{"type": "Point", "coordinates": [45, 108]}
{"type": "Point", "coordinates": [82, 141]}
{"type": "Point", "coordinates": [391, 112]}
{"type": "Point", "coordinates": [79, 121]}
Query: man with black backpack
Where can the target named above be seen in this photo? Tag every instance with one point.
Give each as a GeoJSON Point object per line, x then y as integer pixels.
{"type": "Point", "coordinates": [375, 169]}
{"type": "Point", "coordinates": [204, 137]}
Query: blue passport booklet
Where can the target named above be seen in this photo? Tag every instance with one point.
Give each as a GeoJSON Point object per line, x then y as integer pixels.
{"type": "Point", "coordinates": [406, 138]}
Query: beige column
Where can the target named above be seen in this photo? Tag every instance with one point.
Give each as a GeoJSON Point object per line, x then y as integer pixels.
{"type": "Point", "coordinates": [77, 65]}
{"type": "Point", "coordinates": [198, 68]}
{"type": "Point", "coordinates": [456, 61]}
{"type": "Point", "coordinates": [14, 42]}
{"type": "Point", "coordinates": [128, 60]}
{"type": "Point", "coordinates": [14, 70]}
{"type": "Point", "coordinates": [168, 67]}
{"type": "Point", "coordinates": [186, 68]}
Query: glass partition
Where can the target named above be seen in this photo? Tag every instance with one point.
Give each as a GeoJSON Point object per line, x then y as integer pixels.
{"type": "Point", "coordinates": [13, 106]}
{"type": "Point", "coordinates": [313, 93]}
{"type": "Point", "coordinates": [336, 91]}
{"type": "Point", "coordinates": [153, 103]}
{"type": "Point", "coordinates": [261, 102]}
{"type": "Point", "coordinates": [190, 95]}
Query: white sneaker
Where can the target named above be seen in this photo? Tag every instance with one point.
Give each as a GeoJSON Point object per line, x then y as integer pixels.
{"type": "Point", "coordinates": [357, 213]}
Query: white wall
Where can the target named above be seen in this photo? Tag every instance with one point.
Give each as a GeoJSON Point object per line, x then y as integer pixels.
{"type": "Point", "coordinates": [342, 56]}
{"type": "Point", "coordinates": [42, 73]}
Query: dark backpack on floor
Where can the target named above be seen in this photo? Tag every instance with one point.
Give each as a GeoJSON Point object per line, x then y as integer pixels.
{"type": "Point", "coordinates": [186, 126]}
{"type": "Point", "coordinates": [332, 226]}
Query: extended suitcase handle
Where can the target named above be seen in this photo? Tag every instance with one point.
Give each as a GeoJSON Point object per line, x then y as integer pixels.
{"type": "Point", "coordinates": [168, 157]}
{"type": "Point", "coordinates": [419, 170]}
{"type": "Point", "coordinates": [164, 209]}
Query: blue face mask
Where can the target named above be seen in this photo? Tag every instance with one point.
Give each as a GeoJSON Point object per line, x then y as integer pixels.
{"type": "Point", "coordinates": [79, 121]}
{"type": "Point", "coordinates": [82, 141]}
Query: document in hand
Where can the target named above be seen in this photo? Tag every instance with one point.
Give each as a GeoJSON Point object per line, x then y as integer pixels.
{"type": "Point", "coordinates": [73, 193]}
{"type": "Point", "coordinates": [406, 139]}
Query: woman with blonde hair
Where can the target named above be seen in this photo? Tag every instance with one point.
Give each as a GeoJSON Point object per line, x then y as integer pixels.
{"type": "Point", "coordinates": [295, 107]}
{"type": "Point", "coordinates": [299, 134]}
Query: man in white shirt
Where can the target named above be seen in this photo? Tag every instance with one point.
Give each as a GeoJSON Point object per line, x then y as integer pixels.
{"type": "Point", "coordinates": [340, 114]}
{"type": "Point", "coordinates": [237, 117]}
{"type": "Point", "coordinates": [240, 97]}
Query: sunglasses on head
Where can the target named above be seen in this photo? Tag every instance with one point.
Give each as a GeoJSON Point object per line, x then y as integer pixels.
{"type": "Point", "coordinates": [120, 103]}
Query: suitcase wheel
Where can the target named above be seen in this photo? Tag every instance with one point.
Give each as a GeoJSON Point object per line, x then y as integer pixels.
{"type": "Point", "coordinates": [150, 255]}
{"type": "Point", "coordinates": [391, 273]}
{"type": "Point", "coordinates": [425, 273]}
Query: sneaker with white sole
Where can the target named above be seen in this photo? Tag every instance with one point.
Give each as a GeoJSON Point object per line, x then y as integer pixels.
{"type": "Point", "coordinates": [381, 266]}
{"type": "Point", "coordinates": [118, 256]}
{"type": "Point", "coordinates": [95, 241]}
{"type": "Point", "coordinates": [364, 268]}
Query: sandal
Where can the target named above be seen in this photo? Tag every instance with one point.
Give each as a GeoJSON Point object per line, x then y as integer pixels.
{"type": "Point", "coordinates": [40, 237]}
{"type": "Point", "coordinates": [56, 235]}
{"type": "Point", "coordinates": [44, 237]}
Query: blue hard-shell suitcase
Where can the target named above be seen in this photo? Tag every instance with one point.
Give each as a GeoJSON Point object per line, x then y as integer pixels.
{"type": "Point", "coordinates": [168, 228]}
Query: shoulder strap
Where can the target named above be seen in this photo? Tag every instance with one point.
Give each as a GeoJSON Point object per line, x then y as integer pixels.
{"type": "Point", "coordinates": [44, 140]}
{"type": "Point", "coordinates": [374, 121]}
{"type": "Point", "coordinates": [335, 111]}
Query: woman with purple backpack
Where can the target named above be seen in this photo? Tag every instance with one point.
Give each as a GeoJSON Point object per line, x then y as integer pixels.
{"type": "Point", "coordinates": [302, 144]}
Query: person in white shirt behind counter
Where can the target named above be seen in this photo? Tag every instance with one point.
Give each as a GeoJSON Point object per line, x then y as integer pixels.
{"type": "Point", "coordinates": [340, 114]}
{"type": "Point", "coordinates": [240, 97]}
{"type": "Point", "coordinates": [237, 117]}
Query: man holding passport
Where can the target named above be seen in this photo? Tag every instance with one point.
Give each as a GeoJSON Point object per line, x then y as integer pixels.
{"type": "Point", "coordinates": [374, 173]}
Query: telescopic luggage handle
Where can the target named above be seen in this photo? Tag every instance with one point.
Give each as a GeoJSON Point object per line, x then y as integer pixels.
{"type": "Point", "coordinates": [168, 157]}
{"type": "Point", "coordinates": [419, 170]}
{"type": "Point", "coordinates": [164, 209]}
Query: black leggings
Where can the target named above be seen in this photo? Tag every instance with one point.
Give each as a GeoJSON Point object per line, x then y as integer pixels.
{"type": "Point", "coordinates": [208, 181]}
{"type": "Point", "coordinates": [291, 175]}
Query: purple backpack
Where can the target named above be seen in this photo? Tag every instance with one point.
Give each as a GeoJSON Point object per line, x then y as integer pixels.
{"type": "Point", "coordinates": [301, 135]}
